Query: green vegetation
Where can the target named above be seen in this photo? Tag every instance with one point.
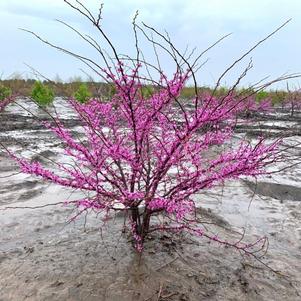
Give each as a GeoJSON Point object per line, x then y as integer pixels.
{"type": "Point", "coordinates": [82, 94]}
{"type": "Point", "coordinates": [4, 92]}
{"type": "Point", "coordinates": [147, 91]}
{"type": "Point", "coordinates": [261, 95]}
{"type": "Point", "coordinates": [42, 94]}
{"type": "Point", "coordinates": [189, 92]}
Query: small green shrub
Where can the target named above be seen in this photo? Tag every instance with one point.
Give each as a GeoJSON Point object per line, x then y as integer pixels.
{"type": "Point", "coordinates": [261, 95]}
{"type": "Point", "coordinates": [82, 94]}
{"type": "Point", "coordinates": [4, 92]}
{"type": "Point", "coordinates": [42, 94]}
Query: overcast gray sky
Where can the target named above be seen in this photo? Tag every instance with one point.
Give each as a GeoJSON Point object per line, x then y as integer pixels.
{"type": "Point", "coordinates": [191, 22]}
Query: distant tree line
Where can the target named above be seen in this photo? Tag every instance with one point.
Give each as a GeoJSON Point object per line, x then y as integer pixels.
{"type": "Point", "coordinates": [24, 87]}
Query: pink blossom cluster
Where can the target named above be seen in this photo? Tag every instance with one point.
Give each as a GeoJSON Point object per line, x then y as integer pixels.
{"type": "Point", "coordinates": [250, 105]}
{"type": "Point", "coordinates": [180, 209]}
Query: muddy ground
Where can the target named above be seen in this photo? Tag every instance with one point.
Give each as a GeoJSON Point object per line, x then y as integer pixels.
{"type": "Point", "coordinates": [44, 258]}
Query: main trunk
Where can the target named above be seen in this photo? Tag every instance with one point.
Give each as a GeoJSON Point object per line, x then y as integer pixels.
{"type": "Point", "coordinates": [141, 222]}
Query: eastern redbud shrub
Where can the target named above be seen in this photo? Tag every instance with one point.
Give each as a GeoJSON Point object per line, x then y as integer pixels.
{"type": "Point", "coordinates": [147, 151]}
{"type": "Point", "coordinates": [252, 106]}
{"type": "Point", "coordinates": [292, 102]}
